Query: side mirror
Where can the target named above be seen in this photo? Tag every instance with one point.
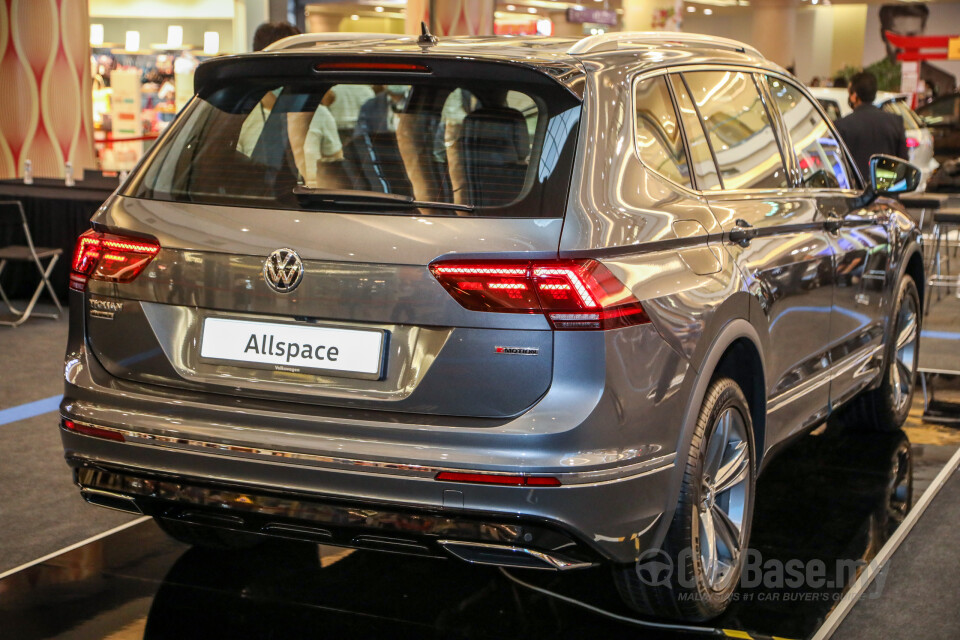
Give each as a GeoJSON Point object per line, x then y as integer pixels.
{"type": "Point", "coordinates": [890, 176]}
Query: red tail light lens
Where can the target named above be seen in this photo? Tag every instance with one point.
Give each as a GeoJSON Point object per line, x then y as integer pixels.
{"type": "Point", "coordinates": [498, 478]}
{"type": "Point", "coordinates": [105, 256]}
{"type": "Point", "coordinates": [912, 143]}
{"type": "Point", "coordinates": [572, 294]}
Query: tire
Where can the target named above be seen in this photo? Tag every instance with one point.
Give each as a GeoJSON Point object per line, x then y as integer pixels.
{"type": "Point", "coordinates": [886, 408]}
{"type": "Point", "coordinates": [199, 535]}
{"type": "Point", "coordinates": [701, 589]}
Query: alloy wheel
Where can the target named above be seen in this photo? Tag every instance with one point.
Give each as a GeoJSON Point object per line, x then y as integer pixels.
{"type": "Point", "coordinates": [724, 496]}
{"type": "Point", "coordinates": [904, 355]}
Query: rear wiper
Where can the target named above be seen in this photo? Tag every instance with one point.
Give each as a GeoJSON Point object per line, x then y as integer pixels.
{"type": "Point", "coordinates": [372, 198]}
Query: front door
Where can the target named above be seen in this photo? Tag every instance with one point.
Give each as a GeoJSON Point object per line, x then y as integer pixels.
{"type": "Point", "coordinates": [856, 235]}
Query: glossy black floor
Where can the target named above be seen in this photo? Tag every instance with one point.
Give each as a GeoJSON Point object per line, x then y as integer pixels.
{"type": "Point", "coordinates": [832, 496]}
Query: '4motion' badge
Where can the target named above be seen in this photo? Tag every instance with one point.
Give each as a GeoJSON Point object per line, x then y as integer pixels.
{"type": "Point", "coordinates": [518, 351]}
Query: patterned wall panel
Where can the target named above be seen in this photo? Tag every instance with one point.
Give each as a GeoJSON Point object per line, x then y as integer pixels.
{"type": "Point", "coordinates": [453, 17]}
{"type": "Point", "coordinates": [45, 92]}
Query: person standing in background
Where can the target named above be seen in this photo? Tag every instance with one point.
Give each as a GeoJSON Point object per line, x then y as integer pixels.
{"type": "Point", "coordinates": [868, 130]}
{"type": "Point", "coordinates": [265, 35]}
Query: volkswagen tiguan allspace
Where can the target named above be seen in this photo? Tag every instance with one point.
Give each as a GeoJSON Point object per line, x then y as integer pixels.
{"type": "Point", "coordinates": [528, 302]}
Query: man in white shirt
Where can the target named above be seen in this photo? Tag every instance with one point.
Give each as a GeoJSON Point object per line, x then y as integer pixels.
{"type": "Point", "coordinates": [322, 143]}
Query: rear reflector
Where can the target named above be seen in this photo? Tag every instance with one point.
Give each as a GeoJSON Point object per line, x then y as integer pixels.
{"type": "Point", "coordinates": [572, 294]}
{"type": "Point", "coordinates": [105, 256]}
{"type": "Point", "coordinates": [89, 430]}
{"type": "Point", "coordinates": [912, 143]}
{"type": "Point", "coordinates": [501, 479]}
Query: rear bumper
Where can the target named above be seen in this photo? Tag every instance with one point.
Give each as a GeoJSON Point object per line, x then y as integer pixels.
{"type": "Point", "coordinates": [391, 509]}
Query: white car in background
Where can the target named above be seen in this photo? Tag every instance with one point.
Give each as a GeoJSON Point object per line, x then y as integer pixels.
{"type": "Point", "coordinates": [919, 138]}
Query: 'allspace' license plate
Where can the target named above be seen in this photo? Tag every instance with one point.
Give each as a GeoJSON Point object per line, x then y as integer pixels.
{"type": "Point", "coordinates": [291, 346]}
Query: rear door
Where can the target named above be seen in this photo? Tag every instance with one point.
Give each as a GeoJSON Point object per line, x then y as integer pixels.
{"type": "Point", "coordinates": [857, 235]}
{"type": "Point", "coordinates": [258, 179]}
{"type": "Point", "coordinates": [780, 244]}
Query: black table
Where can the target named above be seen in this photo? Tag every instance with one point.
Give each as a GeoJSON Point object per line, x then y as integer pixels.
{"type": "Point", "coordinates": [56, 215]}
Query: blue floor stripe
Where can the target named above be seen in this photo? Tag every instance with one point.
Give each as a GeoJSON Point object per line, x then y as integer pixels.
{"type": "Point", "coordinates": [29, 410]}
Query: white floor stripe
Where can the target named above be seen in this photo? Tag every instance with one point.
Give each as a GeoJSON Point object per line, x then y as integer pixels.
{"type": "Point", "coordinates": [849, 599]}
{"type": "Point", "coordinates": [74, 546]}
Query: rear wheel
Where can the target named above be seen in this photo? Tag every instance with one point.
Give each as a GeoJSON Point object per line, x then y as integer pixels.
{"type": "Point", "coordinates": [199, 535]}
{"type": "Point", "coordinates": [696, 572]}
{"type": "Point", "coordinates": [886, 408]}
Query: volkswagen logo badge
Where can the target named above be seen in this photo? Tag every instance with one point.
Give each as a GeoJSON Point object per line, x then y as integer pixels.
{"type": "Point", "coordinates": [283, 270]}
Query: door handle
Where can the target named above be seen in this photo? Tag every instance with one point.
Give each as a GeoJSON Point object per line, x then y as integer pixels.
{"type": "Point", "coordinates": [833, 225]}
{"type": "Point", "coordinates": [743, 234]}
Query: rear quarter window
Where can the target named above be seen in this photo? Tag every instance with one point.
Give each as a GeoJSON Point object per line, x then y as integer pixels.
{"type": "Point", "coordinates": [658, 136]}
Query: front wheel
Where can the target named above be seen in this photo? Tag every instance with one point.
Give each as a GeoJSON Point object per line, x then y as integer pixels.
{"type": "Point", "coordinates": [695, 574]}
{"type": "Point", "coordinates": [886, 408]}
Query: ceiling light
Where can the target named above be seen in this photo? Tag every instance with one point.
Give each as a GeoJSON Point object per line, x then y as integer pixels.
{"type": "Point", "coordinates": [708, 11]}
{"type": "Point", "coordinates": [175, 35]}
{"type": "Point", "coordinates": [96, 35]}
{"type": "Point", "coordinates": [132, 42]}
{"type": "Point", "coordinates": [378, 9]}
{"type": "Point", "coordinates": [532, 10]}
{"type": "Point", "coordinates": [211, 43]}
{"type": "Point", "coordinates": [511, 7]}
{"type": "Point", "coordinates": [691, 9]}
{"type": "Point", "coordinates": [354, 17]}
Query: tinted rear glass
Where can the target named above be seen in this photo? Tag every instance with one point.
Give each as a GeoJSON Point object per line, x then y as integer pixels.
{"type": "Point", "coordinates": [500, 149]}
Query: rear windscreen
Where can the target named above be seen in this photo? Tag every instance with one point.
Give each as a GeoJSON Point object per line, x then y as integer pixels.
{"type": "Point", "coordinates": [490, 148]}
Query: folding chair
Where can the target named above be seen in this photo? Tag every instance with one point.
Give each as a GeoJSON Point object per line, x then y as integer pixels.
{"type": "Point", "coordinates": [27, 253]}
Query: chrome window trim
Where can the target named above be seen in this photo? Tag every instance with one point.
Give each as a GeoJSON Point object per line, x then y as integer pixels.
{"type": "Point", "coordinates": [352, 465]}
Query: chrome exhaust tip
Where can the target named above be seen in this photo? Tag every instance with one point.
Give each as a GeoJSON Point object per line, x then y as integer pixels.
{"type": "Point", "coordinates": [111, 500]}
{"type": "Point", "coordinates": [510, 556]}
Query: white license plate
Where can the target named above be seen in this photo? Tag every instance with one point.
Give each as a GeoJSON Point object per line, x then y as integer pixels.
{"type": "Point", "coordinates": [291, 346]}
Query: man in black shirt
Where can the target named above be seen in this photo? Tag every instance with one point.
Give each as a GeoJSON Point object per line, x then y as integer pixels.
{"type": "Point", "coordinates": [868, 130]}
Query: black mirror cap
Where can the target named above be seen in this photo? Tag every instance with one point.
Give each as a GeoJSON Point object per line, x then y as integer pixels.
{"type": "Point", "coordinates": [891, 176]}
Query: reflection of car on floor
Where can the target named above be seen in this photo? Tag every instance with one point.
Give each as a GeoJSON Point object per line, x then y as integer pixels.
{"type": "Point", "coordinates": [568, 301]}
{"type": "Point", "coordinates": [942, 115]}
{"type": "Point", "coordinates": [921, 140]}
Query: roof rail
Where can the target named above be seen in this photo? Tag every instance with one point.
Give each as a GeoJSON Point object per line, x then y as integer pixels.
{"type": "Point", "coordinates": [613, 41]}
{"type": "Point", "coordinates": [306, 39]}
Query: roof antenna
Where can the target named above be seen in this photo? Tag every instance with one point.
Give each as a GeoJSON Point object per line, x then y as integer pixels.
{"type": "Point", "coordinates": [426, 38]}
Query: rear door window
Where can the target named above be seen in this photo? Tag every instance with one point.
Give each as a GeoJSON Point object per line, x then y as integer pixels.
{"type": "Point", "coordinates": [658, 136]}
{"type": "Point", "coordinates": [477, 147]}
{"type": "Point", "coordinates": [738, 128]}
{"type": "Point", "coordinates": [704, 168]}
{"type": "Point", "coordinates": [819, 154]}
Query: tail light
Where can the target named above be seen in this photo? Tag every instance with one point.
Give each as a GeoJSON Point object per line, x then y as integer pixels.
{"type": "Point", "coordinates": [572, 294]}
{"type": "Point", "coordinates": [912, 143]}
{"type": "Point", "coordinates": [105, 256]}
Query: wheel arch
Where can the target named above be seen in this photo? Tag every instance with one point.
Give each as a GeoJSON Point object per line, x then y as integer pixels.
{"type": "Point", "coordinates": [735, 351]}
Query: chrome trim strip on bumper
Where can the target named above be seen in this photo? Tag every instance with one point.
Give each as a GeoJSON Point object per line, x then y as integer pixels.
{"type": "Point", "coordinates": [460, 549]}
{"type": "Point", "coordinates": [335, 463]}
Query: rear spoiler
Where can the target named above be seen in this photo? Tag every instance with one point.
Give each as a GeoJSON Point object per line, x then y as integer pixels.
{"type": "Point", "coordinates": [217, 72]}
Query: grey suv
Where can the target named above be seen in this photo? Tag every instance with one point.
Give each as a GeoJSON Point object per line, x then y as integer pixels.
{"type": "Point", "coordinates": [525, 302]}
